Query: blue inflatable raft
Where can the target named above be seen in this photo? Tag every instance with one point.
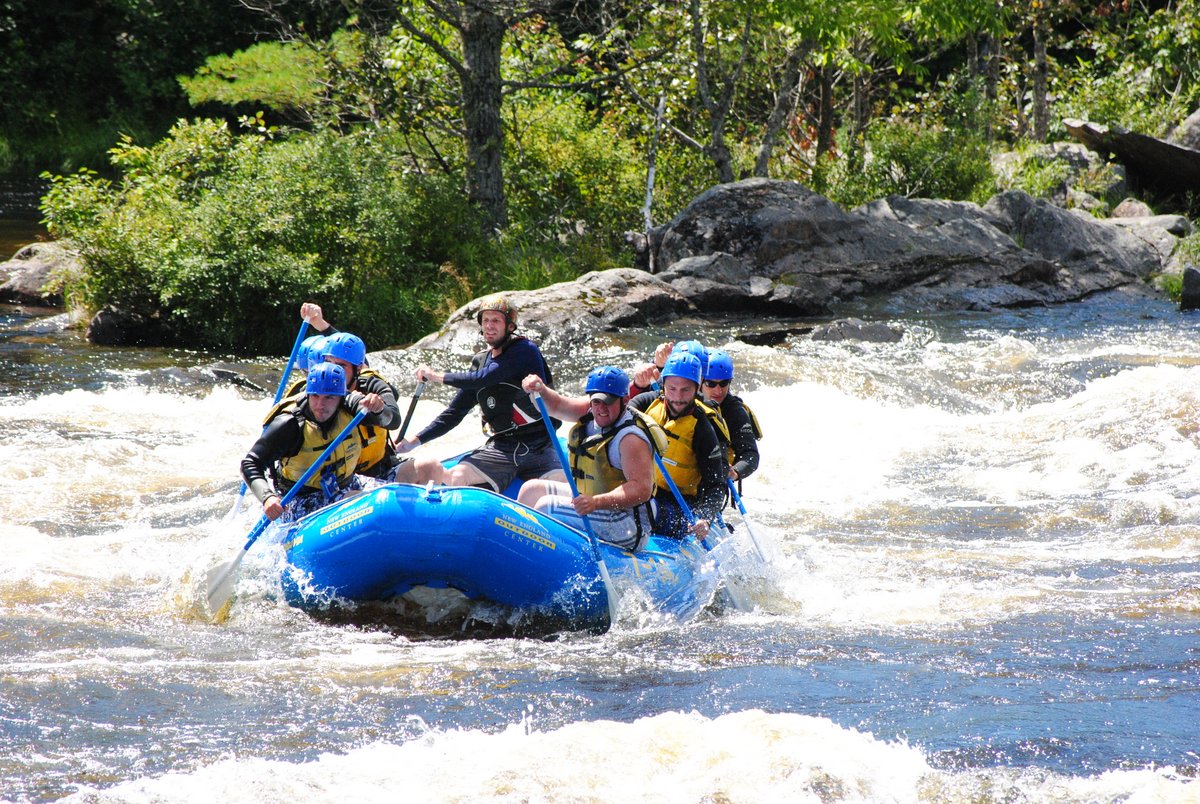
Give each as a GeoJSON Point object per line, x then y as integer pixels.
{"type": "Point", "coordinates": [382, 544]}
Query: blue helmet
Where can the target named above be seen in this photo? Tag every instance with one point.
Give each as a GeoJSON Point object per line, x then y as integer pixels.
{"type": "Point", "coordinates": [693, 348]}
{"type": "Point", "coordinates": [344, 346]}
{"type": "Point", "coordinates": [720, 365]}
{"type": "Point", "coordinates": [683, 365]}
{"type": "Point", "coordinates": [607, 380]}
{"type": "Point", "coordinates": [326, 379]}
{"type": "Point", "coordinates": [310, 352]}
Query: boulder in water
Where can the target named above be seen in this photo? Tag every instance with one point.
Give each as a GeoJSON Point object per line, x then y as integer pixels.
{"type": "Point", "coordinates": [36, 273]}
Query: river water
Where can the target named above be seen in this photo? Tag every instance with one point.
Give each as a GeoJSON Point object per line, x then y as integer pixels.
{"type": "Point", "coordinates": [984, 586]}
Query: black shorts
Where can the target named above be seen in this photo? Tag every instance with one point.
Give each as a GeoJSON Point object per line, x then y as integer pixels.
{"type": "Point", "coordinates": [500, 462]}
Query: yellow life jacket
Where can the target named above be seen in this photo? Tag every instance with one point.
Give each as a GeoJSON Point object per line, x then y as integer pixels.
{"type": "Point", "coordinates": [680, 456]}
{"type": "Point", "coordinates": [375, 441]}
{"type": "Point", "coordinates": [295, 389]}
{"type": "Point", "coordinates": [753, 420]}
{"type": "Point", "coordinates": [590, 465]}
{"type": "Point", "coordinates": [341, 463]}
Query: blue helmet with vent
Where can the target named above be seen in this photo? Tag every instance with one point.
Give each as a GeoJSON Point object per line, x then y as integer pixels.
{"type": "Point", "coordinates": [326, 379]}
{"type": "Point", "coordinates": [693, 348]}
{"type": "Point", "coordinates": [344, 346]}
{"type": "Point", "coordinates": [608, 380]}
{"type": "Point", "coordinates": [310, 352]}
{"type": "Point", "coordinates": [683, 365]}
{"type": "Point", "coordinates": [720, 365]}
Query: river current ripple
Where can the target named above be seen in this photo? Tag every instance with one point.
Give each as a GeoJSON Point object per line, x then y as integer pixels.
{"type": "Point", "coordinates": [984, 585]}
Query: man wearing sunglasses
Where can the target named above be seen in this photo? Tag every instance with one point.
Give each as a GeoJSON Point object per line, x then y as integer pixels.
{"type": "Point", "coordinates": [695, 454]}
{"type": "Point", "coordinates": [743, 427]}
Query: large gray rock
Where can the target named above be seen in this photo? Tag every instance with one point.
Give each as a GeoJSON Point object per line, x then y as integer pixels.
{"type": "Point", "coordinates": [780, 247]}
{"type": "Point", "coordinates": [36, 273]}
{"type": "Point", "coordinates": [112, 326]}
{"type": "Point", "coordinates": [572, 312]}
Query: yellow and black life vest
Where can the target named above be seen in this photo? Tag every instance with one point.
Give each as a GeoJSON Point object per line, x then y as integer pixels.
{"type": "Point", "coordinates": [722, 426]}
{"type": "Point", "coordinates": [753, 420]}
{"type": "Point", "coordinates": [314, 440]}
{"type": "Point", "coordinates": [375, 441]}
{"type": "Point", "coordinates": [680, 456]}
{"type": "Point", "coordinates": [593, 472]}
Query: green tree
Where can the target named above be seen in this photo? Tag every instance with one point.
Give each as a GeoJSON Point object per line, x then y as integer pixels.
{"type": "Point", "coordinates": [73, 75]}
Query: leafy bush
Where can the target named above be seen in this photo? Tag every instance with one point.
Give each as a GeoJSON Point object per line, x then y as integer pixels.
{"type": "Point", "coordinates": [1042, 176]}
{"type": "Point", "coordinates": [570, 178]}
{"type": "Point", "coordinates": [903, 158]}
{"type": "Point", "coordinates": [221, 236]}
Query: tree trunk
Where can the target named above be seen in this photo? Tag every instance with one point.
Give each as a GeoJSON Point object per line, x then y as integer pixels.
{"type": "Point", "coordinates": [1041, 107]}
{"type": "Point", "coordinates": [716, 150]}
{"type": "Point", "coordinates": [824, 111]}
{"type": "Point", "coordinates": [861, 106]}
{"type": "Point", "coordinates": [482, 37]}
{"type": "Point", "coordinates": [991, 81]}
{"type": "Point", "coordinates": [785, 102]}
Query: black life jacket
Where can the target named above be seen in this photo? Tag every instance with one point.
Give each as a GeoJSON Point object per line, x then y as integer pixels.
{"type": "Point", "coordinates": [507, 410]}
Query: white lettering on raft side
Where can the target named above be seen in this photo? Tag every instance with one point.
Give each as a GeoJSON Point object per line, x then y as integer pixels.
{"type": "Point", "coordinates": [348, 517]}
{"type": "Point", "coordinates": [528, 534]}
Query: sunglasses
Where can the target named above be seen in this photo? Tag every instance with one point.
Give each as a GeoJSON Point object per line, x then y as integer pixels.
{"type": "Point", "coordinates": [716, 383]}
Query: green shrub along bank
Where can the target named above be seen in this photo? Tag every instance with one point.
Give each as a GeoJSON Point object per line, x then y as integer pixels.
{"type": "Point", "coordinates": [220, 236]}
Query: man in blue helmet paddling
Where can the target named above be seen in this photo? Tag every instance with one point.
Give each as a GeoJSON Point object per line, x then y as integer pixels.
{"type": "Point", "coordinates": [695, 454]}
{"type": "Point", "coordinates": [296, 432]}
{"type": "Point", "coordinates": [610, 458]}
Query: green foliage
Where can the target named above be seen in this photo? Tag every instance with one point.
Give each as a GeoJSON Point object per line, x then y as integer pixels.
{"type": "Point", "coordinates": [1138, 69]}
{"type": "Point", "coordinates": [912, 161]}
{"type": "Point", "coordinates": [73, 76]}
{"type": "Point", "coordinates": [222, 236]}
{"type": "Point", "coordinates": [571, 177]}
{"type": "Point", "coordinates": [1039, 175]}
{"type": "Point", "coordinates": [282, 76]}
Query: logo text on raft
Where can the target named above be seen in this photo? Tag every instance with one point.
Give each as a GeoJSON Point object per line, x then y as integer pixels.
{"type": "Point", "coordinates": [514, 527]}
{"type": "Point", "coordinates": [348, 517]}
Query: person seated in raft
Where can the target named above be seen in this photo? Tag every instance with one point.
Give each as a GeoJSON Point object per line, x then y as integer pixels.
{"type": "Point", "coordinates": [610, 459]}
{"type": "Point", "coordinates": [308, 353]}
{"type": "Point", "coordinates": [646, 376]}
{"type": "Point", "coordinates": [379, 459]}
{"type": "Point", "coordinates": [294, 435]}
{"type": "Point", "coordinates": [741, 422]}
{"type": "Point", "coordinates": [695, 455]}
{"type": "Point", "coordinates": [518, 445]}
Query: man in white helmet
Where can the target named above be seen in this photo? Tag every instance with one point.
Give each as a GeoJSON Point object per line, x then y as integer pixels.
{"type": "Point", "coordinates": [518, 444]}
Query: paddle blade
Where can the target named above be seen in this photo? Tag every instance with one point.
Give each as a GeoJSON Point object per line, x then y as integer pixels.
{"type": "Point", "coordinates": [220, 583]}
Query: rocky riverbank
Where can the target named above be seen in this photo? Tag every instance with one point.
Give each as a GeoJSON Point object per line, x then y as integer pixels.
{"type": "Point", "coordinates": [777, 248]}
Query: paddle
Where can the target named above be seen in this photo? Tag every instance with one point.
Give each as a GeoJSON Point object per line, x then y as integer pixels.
{"type": "Point", "coordinates": [408, 416]}
{"type": "Point", "coordinates": [222, 578]}
{"type": "Point", "coordinates": [287, 370]}
{"type": "Point", "coordinates": [737, 499]}
{"type": "Point", "coordinates": [283, 383]}
{"type": "Point", "coordinates": [613, 600]}
{"type": "Point", "coordinates": [738, 600]}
